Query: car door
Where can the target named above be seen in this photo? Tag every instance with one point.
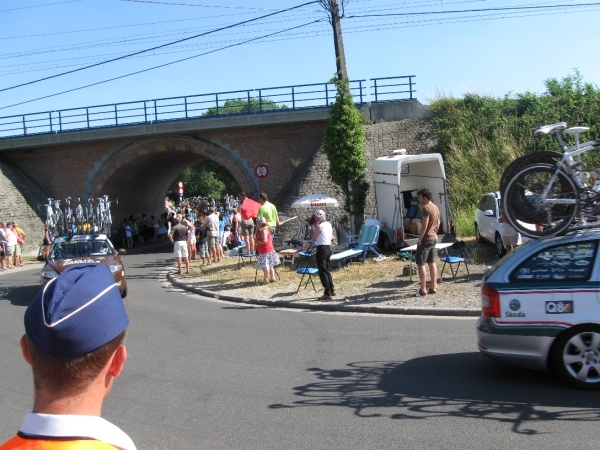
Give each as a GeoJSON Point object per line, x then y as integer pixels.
{"type": "Point", "coordinates": [560, 283]}
{"type": "Point", "coordinates": [487, 223]}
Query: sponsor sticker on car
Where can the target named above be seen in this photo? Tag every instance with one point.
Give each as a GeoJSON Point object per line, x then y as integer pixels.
{"type": "Point", "coordinates": [560, 307]}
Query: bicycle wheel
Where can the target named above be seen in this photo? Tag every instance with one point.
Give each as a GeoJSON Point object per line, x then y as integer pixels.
{"type": "Point", "coordinates": [524, 206]}
{"type": "Point", "coordinates": [543, 157]}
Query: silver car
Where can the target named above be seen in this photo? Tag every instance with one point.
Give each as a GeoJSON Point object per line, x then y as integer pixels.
{"type": "Point", "coordinates": [541, 308]}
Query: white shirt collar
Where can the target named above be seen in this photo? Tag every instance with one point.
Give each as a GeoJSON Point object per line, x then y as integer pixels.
{"type": "Point", "coordinates": [76, 426]}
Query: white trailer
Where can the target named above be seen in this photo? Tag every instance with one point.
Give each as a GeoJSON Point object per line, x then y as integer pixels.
{"type": "Point", "coordinates": [397, 179]}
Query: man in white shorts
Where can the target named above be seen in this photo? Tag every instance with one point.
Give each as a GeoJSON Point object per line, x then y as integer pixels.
{"type": "Point", "coordinates": [178, 236]}
{"type": "Point", "coordinates": [511, 238]}
{"type": "Point", "coordinates": [212, 225]}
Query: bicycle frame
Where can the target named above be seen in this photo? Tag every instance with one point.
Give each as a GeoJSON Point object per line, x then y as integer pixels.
{"type": "Point", "coordinates": [569, 167]}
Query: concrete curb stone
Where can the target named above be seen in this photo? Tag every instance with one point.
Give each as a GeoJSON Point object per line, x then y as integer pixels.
{"type": "Point", "coordinates": [448, 312]}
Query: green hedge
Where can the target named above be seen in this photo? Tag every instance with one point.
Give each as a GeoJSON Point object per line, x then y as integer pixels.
{"type": "Point", "coordinates": [479, 135]}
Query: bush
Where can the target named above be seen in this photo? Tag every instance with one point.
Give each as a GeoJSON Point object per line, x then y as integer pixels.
{"type": "Point", "coordinates": [480, 135]}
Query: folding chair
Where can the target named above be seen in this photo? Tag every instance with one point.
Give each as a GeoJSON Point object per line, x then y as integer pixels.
{"type": "Point", "coordinates": [455, 255]}
{"type": "Point", "coordinates": [304, 271]}
{"type": "Point", "coordinates": [242, 256]}
{"type": "Point", "coordinates": [367, 242]}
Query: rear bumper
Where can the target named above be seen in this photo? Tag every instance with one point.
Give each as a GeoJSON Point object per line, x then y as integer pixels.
{"type": "Point", "coordinates": [515, 346]}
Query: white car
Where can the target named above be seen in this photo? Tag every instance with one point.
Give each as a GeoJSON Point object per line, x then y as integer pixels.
{"type": "Point", "coordinates": [487, 222]}
{"type": "Point", "coordinates": [541, 310]}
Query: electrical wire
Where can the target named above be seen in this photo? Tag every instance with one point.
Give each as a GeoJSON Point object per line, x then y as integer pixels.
{"type": "Point", "coordinates": [154, 48]}
{"type": "Point", "coordinates": [202, 6]}
{"type": "Point", "coordinates": [350, 30]}
{"type": "Point", "coordinates": [474, 10]}
{"type": "Point", "coordinates": [159, 66]}
{"type": "Point", "coordinates": [39, 6]}
{"type": "Point", "coordinates": [146, 37]}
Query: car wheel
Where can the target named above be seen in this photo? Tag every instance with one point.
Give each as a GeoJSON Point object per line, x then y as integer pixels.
{"type": "Point", "coordinates": [575, 356]}
{"type": "Point", "coordinates": [478, 237]}
{"type": "Point", "coordinates": [500, 250]}
{"type": "Point", "coordinates": [384, 242]}
{"type": "Point", "coordinates": [124, 291]}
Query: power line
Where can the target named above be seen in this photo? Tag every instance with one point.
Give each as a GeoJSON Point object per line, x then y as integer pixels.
{"type": "Point", "coordinates": [160, 66]}
{"type": "Point", "coordinates": [475, 10]}
{"type": "Point", "coordinates": [130, 39]}
{"type": "Point", "coordinates": [154, 48]}
{"type": "Point", "coordinates": [105, 55]}
{"type": "Point", "coordinates": [120, 26]}
{"type": "Point", "coordinates": [374, 27]}
{"type": "Point", "coordinates": [39, 6]}
{"type": "Point", "coordinates": [202, 6]}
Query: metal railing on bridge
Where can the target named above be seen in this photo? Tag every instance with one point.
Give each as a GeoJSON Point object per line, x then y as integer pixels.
{"type": "Point", "coordinates": [252, 101]}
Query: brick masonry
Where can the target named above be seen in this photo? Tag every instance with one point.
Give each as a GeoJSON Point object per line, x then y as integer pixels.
{"type": "Point", "coordinates": [19, 200]}
{"type": "Point", "coordinates": [415, 135]}
{"type": "Point", "coordinates": [138, 172]}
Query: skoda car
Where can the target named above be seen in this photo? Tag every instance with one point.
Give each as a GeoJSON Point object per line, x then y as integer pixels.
{"type": "Point", "coordinates": [68, 251]}
{"type": "Point", "coordinates": [541, 308]}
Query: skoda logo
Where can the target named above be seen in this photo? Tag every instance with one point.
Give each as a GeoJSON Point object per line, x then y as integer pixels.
{"type": "Point", "coordinates": [515, 304]}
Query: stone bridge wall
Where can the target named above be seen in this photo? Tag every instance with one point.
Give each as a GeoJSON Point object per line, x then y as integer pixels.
{"type": "Point", "coordinates": [415, 135]}
{"type": "Point", "coordinates": [139, 171]}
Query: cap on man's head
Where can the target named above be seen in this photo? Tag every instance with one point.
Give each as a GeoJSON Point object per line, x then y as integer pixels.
{"type": "Point", "coordinates": [185, 223]}
{"type": "Point", "coordinates": [320, 213]}
{"type": "Point", "coordinates": [76, 313]}
{"type": "Point", "coordinates": [261, 220]}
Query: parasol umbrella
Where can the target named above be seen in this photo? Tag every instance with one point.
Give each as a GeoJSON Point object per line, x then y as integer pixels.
{"type": "Point", "coordinates": [315, 201]}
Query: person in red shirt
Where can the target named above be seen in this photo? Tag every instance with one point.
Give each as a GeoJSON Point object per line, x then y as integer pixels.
{"type": "Point", "coordinates": [267, 257]}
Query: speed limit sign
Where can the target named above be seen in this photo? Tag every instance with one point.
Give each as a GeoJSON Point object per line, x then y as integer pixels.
{"type": "Point", "coordinates": [261, 171]}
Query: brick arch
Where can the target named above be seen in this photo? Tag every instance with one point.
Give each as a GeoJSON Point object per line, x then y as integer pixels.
{"type": "Point", "coordinates": [140, 173]}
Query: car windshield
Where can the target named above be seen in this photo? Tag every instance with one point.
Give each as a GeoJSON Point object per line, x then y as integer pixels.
{"type": "Point", "coordinates": [77, 249]}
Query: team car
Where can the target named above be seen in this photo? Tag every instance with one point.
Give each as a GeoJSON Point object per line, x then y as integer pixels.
{"type": "Point", "coordinates": [68, 251]}
{"type": "Point", "coordinates": [541, 308]}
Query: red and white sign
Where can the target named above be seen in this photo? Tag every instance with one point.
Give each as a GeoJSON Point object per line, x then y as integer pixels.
{"type": "Point", "coordinates": [318, 204]}
{"type": "Point", "coordinates": [261, 171]}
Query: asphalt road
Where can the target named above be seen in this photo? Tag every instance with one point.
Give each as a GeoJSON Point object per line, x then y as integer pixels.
{"type": "Point", "coordinates": [204, 374]}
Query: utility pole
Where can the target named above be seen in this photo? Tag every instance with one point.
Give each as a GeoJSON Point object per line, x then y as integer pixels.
{"type": "Point", "coordinates": [333, 8]}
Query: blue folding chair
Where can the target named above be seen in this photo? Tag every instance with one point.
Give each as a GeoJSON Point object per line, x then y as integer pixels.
{"type": "Point", "coordinates": [306, 261]}
{"type": "Point", "coordinates": [455, 255]}
{"type": "Point", "coordinates": [366, 243]}
{"type": "Point", "coordinates": [242, 255]}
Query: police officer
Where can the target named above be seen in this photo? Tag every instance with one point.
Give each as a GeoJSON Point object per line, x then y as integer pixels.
{"type": "Point", "coordinates": [321, 233]}
{"type": "Point", "coordinates": [74, 332]}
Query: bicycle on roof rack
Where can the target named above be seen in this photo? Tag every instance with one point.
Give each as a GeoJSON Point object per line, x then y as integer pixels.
{"type": "Point", "coordinates": [62, 220]}
{"type": "Point", "coordinates": [554, 192]}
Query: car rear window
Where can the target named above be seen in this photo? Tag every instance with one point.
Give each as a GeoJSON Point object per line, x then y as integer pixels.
{"type": "Point", "coordinates": [572, 261]}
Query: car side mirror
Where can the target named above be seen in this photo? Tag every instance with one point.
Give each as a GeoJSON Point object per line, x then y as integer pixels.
{"type": "Point", "coordinates": [489, 213]}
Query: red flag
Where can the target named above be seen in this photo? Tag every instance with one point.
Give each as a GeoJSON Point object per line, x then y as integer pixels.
{"type": "Point", "coordinates": [249, 208]}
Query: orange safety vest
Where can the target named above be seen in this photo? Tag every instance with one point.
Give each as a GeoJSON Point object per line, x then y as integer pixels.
{"type": "Point", "coordinates": [19, 443]}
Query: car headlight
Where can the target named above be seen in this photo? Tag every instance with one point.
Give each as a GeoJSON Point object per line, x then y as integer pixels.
{"type": "Point", "coordinates": [49, 273]}
{"type": "Point", "coordinates": [115, 268]}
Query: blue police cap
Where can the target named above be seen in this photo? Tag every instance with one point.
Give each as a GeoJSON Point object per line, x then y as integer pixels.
{"type": "Point", "coordinates": [76, 313]}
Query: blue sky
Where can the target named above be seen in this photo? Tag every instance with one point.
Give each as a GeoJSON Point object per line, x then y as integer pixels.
{"type": "Point", "coordinates": [487, 52]}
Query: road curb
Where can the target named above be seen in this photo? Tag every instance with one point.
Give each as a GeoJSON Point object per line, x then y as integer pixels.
{"type": "Point", "coordinates": [299, 304]}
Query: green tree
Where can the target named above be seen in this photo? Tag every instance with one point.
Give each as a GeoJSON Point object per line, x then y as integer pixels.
{"type": "Point", "coordinates": [240, 106]}
{"type": "Point", "coordinates": [205, 179]}
{"type": "Point", "coordinates": [343, 143]}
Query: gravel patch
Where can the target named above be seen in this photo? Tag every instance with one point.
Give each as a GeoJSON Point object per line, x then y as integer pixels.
{"type": "Point", "coordinates": [374, 283]}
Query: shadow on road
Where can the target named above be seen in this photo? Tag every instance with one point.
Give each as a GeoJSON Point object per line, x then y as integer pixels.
{"type": "Point", "coordinates": [19, 295]}
{"type": "Point", "coordinates": [461, 385]}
